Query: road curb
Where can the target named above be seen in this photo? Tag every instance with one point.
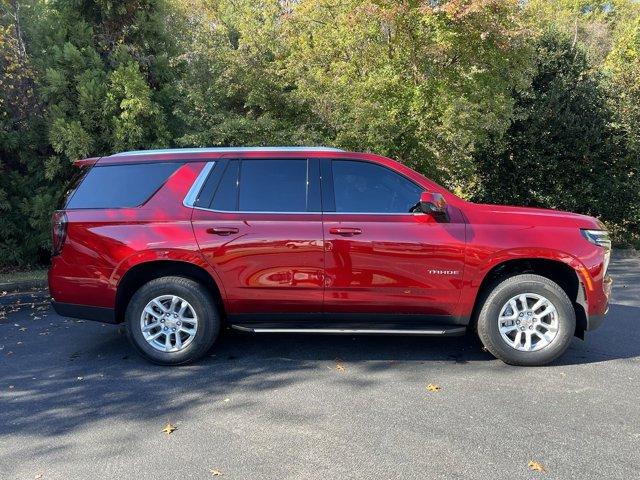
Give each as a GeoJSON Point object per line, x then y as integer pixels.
{"type": "Point", "coordinates": [625, 253]}
{"type": "Point", "coordinates": [23, 285]}
{"type": "Point", "coordinates": [37, 296]}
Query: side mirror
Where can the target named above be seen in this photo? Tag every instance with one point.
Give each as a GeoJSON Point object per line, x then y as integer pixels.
{"type": "Point", "coordinates": [433, 204]}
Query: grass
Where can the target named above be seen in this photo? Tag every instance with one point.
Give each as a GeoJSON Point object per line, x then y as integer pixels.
{"type": "Point", "coordinates": [22, 276]}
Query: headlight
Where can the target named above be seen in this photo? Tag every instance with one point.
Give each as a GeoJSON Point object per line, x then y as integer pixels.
{"type": "Point", "coordinates": [600, 238]}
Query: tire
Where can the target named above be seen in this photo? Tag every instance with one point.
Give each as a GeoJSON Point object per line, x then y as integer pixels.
{"type": "Point", "coordinates": [496, 303]}
{"type": "Point", "coordinates": [200, 307]}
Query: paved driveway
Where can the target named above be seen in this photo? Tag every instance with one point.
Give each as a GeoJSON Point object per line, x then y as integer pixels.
{"type": "Point", "coordinates": [77, 403]}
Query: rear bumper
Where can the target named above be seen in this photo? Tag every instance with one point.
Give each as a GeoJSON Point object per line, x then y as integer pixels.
{"type": "Point", "coordinates": [85, 312]}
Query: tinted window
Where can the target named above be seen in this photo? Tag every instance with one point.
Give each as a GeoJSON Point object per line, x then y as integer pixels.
{"type": "Point", "coordinates": [366, 187]}
{"type": "Point", "coordinates": [116, 186]}
{"type": "Point", "coordinates": [74, 181]}
{"type": "Point", "coordinates": [273, 186]}
{"type": "Point", "coordinates": [226, 196]}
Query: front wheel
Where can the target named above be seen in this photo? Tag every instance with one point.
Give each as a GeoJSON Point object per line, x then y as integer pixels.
{"type": "Point", "coordinates": [172, 320]}
{"type": "Point", "coordinates": [527, 320]}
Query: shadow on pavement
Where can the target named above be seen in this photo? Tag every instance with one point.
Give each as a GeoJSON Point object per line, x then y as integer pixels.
{"type": "Point", "coordinates": [81, 373]}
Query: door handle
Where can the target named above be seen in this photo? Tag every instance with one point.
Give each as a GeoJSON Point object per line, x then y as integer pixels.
{"type": "Point", "coordinates": [222, 230]}
{"type": "Point", "coordinates": [345, 231]}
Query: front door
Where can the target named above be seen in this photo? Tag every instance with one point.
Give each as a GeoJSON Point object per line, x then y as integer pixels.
{"type": "Point", "coordinates": [379, 257]}
{"type": "Point", "coordinates": [262, 233]}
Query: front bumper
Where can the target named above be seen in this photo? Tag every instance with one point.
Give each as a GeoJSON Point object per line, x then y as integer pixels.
{"type": "Point", "coordinates": [596, 319]}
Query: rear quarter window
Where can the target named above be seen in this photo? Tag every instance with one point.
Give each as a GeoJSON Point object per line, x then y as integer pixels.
{"type": "Point", "coordinates": [120, 186]}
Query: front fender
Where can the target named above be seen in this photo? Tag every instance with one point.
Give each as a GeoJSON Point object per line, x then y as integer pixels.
{"type": "Point", "coordinates": [478, 268]}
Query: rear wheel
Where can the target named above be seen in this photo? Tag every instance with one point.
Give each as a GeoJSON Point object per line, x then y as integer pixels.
{"type": "Point", "coordinates": [172, 320]}
{"type": "Point", "coordinates": [527, 320]}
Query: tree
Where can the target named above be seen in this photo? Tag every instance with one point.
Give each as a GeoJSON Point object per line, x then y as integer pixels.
{"type": "Point", "coordinates": [622, 68]}
{"type": "Point", "coordinates": [423, 82]}
{"type": "Point", "coordinates": [562, 151]}
{"type": "Point", "coordinates": [80, 78]}
{"type": "Point", "coordinates": [233, 91]}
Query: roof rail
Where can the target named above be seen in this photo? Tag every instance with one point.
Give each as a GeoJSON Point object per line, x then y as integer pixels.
{"type": "Point", "coordinates": [228, 149]}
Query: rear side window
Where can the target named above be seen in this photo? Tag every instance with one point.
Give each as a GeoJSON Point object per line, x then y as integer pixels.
{"type": "Point", "coordinates": [273, 186]}
{"type": "Point", "coordinates": [72, 185]}
{"type": "Point", "coordinates": [119, 186]}
{"type": "Point", "coordinates": [226, 196]}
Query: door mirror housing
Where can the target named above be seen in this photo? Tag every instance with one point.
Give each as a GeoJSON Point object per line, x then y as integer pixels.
{"type": "Point", "coordinates": [434, 204]}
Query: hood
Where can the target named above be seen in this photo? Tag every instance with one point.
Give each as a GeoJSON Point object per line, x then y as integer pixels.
{"type": "Point", "coordinates": [502, 214]}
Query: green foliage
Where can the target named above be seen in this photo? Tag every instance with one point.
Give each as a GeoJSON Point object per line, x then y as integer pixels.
{"type": "Point", "coordinates": [420, 83]}
{"type": "Point", "coordinates": [80, 78]}
{"type": "Point", "coordinates": [502, 101]}
{"type": "Point", "coordinates": [562, 150]}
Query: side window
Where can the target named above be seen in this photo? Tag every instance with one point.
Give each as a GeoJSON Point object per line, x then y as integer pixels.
{"type": "Point", "coordinates": [274, 186]}
{"type": "Point", "coordinates": [225, 197]}
{"type": "Point", "coordinates": [120, 186]}
{"type": "Point", "coordinates": [363, 187]}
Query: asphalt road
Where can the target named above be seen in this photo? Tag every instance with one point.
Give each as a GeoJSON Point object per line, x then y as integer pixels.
{"type": "Point", "coordinates": [77, 403]}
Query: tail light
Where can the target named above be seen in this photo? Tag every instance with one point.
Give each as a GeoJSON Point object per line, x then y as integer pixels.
{"type": "Point", "coordinates": [58, 231]}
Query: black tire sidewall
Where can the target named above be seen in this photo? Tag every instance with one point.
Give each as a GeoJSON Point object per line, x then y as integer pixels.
{"type": "Point", "coordinates": [488, 320]}
{"type": "Point", "coordinates": [200, 300]}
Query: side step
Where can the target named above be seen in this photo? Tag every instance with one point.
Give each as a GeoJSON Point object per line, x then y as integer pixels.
{"type": "Point", "coordinates": [431, 330]}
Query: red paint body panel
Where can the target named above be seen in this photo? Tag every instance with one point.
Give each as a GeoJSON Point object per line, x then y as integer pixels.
{"type": "Point", "coordinates": [303, 263]}
{"type": "Point", "coordinates": [273, 264]}
{"type": "Point", "coordinates": [101, 245]}
{"type": "Point", "coordinates": [396, 265]}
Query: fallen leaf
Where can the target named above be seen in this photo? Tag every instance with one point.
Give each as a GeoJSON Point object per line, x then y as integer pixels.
{"type": "Point", "coordinates": [340, 367]}
{"type": "Point", "coordinates": [215, 473]}
{"type": "Point", "coordinates": [22, 329]}
{"type": "Point", "coordinates": [536, 467]}
{"type": "Point", "coordinates": [169, 429]}
{"type": "Point", "coordinates": [432, 387]}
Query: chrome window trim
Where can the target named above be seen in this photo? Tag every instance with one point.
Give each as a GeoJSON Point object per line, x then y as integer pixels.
{"type": "Point", "coordinates": [192, 195]}
{"type": "Point", "coordinates": [308, 213]}
{"type": "Point", "coordinates": [259, 213]}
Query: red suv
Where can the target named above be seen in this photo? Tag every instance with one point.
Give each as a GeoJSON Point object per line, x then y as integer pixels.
{"type": "Point", "coordinates": [178, 243]}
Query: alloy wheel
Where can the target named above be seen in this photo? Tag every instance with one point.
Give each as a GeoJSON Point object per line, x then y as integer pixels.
{"type": "Point", "coordinates": [169, 323]}
{"type": "Point", "coordinates": [528, 322]}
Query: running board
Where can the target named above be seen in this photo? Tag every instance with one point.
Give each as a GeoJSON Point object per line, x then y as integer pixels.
{"type": "Point", "coordinates": [334, 330]}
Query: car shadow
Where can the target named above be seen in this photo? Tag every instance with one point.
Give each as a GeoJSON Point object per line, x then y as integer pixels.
{"type": "Point", "coordinates": [81, 373]}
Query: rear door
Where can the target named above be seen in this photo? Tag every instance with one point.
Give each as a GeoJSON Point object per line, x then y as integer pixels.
{"type": "Point", "coordinates": [258, 223]}
{"type": "Point", "coordinates": [379, 257]}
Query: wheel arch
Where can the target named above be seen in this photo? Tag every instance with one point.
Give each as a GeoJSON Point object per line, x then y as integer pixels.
{"type": "Point", "coordinates": [564, 273]}
{"type": "Point", "coordinates": [144, 272]}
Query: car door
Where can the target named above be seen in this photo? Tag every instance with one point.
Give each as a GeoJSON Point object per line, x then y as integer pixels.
{"type": "Point", "coordinates": [379, 257]}
{"type": "Point", "coordinates": [258, 223]}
